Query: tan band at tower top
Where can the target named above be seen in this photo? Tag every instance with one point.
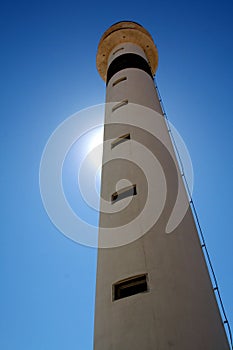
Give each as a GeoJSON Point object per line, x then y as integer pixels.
{"type": "Point", "coordinates": [123, 32]}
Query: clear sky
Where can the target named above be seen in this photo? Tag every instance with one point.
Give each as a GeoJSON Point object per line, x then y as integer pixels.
{"type": "Point", "coordinates": [48, 72]}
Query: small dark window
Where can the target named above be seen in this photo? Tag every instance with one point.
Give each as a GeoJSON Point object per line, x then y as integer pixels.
{"type": "Point", "coordinates": [119, 81]}
{"type": "Point", "coordinates": [127, 60]}
{"type": "Point", "coordinates": [120, 104]}
{"type": "Point", "coordinates": [130, 286]}
{"type": "Point", "coordinates": [120, 49]}
{"type": "Point", "coordinates": [120, 140]}
{"type": "Point", "coordinates": [124, 193]}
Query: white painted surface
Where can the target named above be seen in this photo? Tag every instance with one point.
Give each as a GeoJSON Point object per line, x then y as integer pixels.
{"type": "Point", "coordinates": [179, 311]}
{"type": "Point", "coordinates": [126, 48]}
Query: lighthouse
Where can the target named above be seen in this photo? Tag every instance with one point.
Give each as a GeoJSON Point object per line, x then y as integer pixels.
{"type": "Point", "coordinates": [153, 289]}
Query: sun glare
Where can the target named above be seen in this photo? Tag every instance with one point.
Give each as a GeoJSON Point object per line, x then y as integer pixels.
{"type": "Point", "coordinates": [95, 138]}
{"type": "Point", "coordinates": [94, 146]}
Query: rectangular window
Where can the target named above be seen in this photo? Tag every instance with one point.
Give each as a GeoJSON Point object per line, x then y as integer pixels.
{"type": "Point", "coordinates": [120, 49]}
{"type": "Point", "coordinates": [130, 286]}
{"type": "Point", "coordinates": [119, 105]}
{"type": "Point", "coordinates": [124, 193]}
{"type": "Point", "coordinates": [119, 81]}
{"type": "Point", "coordinates": [119, 140]}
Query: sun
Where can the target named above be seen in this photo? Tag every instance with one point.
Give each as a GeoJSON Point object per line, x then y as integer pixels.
{"type": "Point", "coordinates": [95, 138]}
{"type": "Point", "coordinates": [94, 146]}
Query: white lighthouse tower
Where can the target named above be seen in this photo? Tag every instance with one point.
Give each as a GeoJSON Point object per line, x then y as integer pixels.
{"type": "Point", "coordinates": [153, 287]}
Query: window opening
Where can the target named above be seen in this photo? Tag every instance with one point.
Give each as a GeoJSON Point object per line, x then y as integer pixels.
{"type": "Point", "coordinates": [119, 105]}
{"type": "Point", "coordinates": [119, 81]}
{"type": "Point", "coordinates": [124, 193]}
{"type": "Point", "coordinates": [119, 140]}
{"type": "Point", "coordinates": [120, 49]}
{"type": "Point", "coordinates": [130, 286]}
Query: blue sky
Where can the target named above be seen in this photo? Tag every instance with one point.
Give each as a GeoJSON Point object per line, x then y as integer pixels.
{"type": "Point", "coordinates": [48, 73]}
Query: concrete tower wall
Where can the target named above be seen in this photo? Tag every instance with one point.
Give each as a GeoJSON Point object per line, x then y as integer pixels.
{"type": "Point", "coordinates": [178, 310]}
{"type": "Point", "coordinates": [123, 48]}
